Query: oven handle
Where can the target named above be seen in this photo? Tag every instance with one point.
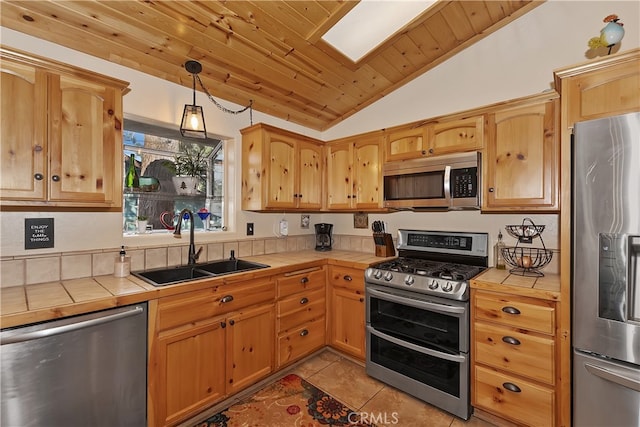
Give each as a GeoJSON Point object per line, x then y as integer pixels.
{"type": "Point", "coordinates": [451, 357]}
{"type": "Point", "coordinates": [418, 303]}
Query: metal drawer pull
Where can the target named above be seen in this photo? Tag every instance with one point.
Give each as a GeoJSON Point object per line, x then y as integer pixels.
{"type": "Point", "coordinates": [511, 387]}
{"type": "Point", "coordinates": [304, 280]}
{"type": "Point", "coordinates": [226, 298]}
{"type": "Point", "coordinates": [511, 340]}
{"type": "Point", "coordinates": [510, 310]}
{"type": "Point", "coordinates": [232, 322]}
{"type": "Point", "coordinates": [39, 177]}
{"type": "Point", "coordinates": [304, 332]}
{"type": "Point", "coordinates": [304, 300]}
{"type": "Point", "coordinates": [347, 278]}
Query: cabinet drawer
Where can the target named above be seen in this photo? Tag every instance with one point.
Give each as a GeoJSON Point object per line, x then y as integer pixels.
{"type": "Point", "coordinates": [351, 278]}
{"type": "Point", "coordinates": [528, 403]}
{"type": "Point", "coordinates": [189, 307]}
{"type": "Point", "coordinates": [300, 308]}
{"type": "Point", "coordinates": [301, 341]}
{"type": "Point", "coordinates": [523, 354]}
{"type": "Point", "coordinates": [518, 312]}
{"type": "Point", "coordinates": [301, 282]}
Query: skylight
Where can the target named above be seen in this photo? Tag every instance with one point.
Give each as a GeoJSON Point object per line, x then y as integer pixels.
{"type": "Point", "coordinates": [370, 23]}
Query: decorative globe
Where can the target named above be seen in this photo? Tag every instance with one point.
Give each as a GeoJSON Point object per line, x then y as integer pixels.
{"type": "Point", "coordinates": [611, 34]}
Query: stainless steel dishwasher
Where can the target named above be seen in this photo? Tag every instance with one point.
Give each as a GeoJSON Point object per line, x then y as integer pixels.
{"type": "Point", "coordinates": [87, 370]}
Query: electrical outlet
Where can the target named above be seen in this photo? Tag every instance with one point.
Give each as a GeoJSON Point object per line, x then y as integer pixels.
{"type": "Point", "coordinates": [284, 227]}
{"type": "Point", "coordinates": [249, 229]}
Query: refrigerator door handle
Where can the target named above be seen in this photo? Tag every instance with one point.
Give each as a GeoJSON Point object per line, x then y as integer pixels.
{"type": "Point", "coordinates": [614, 377]}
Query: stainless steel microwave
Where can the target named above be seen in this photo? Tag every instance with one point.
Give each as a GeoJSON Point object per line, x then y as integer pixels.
{"type": "Point", "coordinates": [439, 183]}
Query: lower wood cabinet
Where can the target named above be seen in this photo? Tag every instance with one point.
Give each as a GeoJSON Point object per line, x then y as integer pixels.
{"type": "Point", "coordinates": [209, 344]}
{"type": "Point", "coordinates": [513, 348]}
{"type": "Point", "coordinates": [347, 316]}
{"type": "Point", "coordinates": [300, 312]}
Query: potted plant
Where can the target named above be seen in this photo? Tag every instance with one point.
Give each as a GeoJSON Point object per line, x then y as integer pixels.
{"type": "Point", "coordinates": [142, 223]}
{"type": "Point", "coordinates": [189, 167]}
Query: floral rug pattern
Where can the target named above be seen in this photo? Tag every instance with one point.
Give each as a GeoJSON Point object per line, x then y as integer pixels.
{"type": "Point", "coordinates": [289, 402]}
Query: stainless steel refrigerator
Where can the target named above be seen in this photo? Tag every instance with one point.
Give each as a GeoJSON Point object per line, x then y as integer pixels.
{"type": "Point", "coordinates": [606, 272]}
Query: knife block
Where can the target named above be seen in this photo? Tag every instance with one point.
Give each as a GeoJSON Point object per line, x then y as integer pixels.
{"type": "Point", "coordinates": [384, 244]}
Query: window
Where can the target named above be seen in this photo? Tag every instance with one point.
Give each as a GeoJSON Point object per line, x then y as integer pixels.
{"type": "Point", "coordinates": [161, 154]}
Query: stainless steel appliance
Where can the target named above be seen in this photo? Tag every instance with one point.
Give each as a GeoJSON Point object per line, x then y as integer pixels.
{"type": "Point", "coordinates": [439, 182]}
{"type": "Point", "coordinates": [417, 315]}
{"type": "Point", "coordinates": [323, 237]}
{"type": "Point", "coordinates": [87, 370]}
{"type": "Point", "coordinates": [606, 272]}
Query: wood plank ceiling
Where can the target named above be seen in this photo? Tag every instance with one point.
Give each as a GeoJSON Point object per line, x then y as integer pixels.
{"type": "Point", "coordinates": [270, 52]}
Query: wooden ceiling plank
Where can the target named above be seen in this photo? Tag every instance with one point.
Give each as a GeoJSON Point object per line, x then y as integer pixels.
{"type": "Point", "coordinates": [340, 9]}
{"type": "Point", "coordinates": [457, 20]}
{"type": "Point", "coordinates": [298, 48]}
{"type": "Point", "coordinates": [244, 62]}
{"type": "Point", "coordinates": [286, 15]}
{"type": "Point", "coordinates": [397, 60]}
{"type": "Point", "coordinates": [123, 23]}
{"type": "Point", "coordinates": [441, 32]}
{"type": "Point", "coordinates": [423, 39]}
{"type": "Point", "coordinates": [477, 14]}
{"type": "Point", "coordinates": [497, 9]}
{"type": "Point", "coordinates": [46, 28]}
{"type": "Point", "coordinates": [409, 50]}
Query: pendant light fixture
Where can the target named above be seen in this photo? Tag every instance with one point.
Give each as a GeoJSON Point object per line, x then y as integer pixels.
{"type": "Point", "coordinates": [192, 124]}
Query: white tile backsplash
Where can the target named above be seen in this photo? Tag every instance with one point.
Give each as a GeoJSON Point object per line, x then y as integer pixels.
{"type": "Point", "coordinates": [74, 265]}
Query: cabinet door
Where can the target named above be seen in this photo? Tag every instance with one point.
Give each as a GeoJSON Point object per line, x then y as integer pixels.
{"type": "Point", "coordinates": [457, 136]}
{"type": "Point", "coordinates": [339, 176]}
{"type": "Point", "coordinates": [23, 171]}
{"type": "Point", "coordinates": [250, 347]}
{"type": "Point", "coordinates": [603, 93]}
{"type": "Point", "coordinates": [86, 142]}
{"type": "Point", "coordinates": [281, 176]}
{"type": "Point", "coordinates": [348, 322]}
{"type": "Point", "coordinates": [309, 193]}
{"type": "Point", "coordinates": [367, 173]}
{"type": "Point", "coordinates": [190, 373]}
{"type": "Point", "coordinates": [406, 144]}
{"type": "Point", "coordinates": [522, 158]}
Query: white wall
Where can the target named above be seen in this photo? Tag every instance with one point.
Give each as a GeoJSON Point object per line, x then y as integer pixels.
{"type": "Point", "coordinates": [518, 60]}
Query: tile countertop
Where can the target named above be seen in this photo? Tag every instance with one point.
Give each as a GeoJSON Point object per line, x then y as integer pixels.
{"type": "Point", "coordinates": [22, 305]}
{"type": "Point", "coordinates": [546, 287]}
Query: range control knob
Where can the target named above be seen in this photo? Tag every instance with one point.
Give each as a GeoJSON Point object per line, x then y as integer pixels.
{"type": "Point", "coordinates": [447, 287]}
{"type": "Point", "coordinates": [433, 285]}
{"type": "Point", "coordinates": [377, 274]}
{"type": "Point", "coordinates": [388, 276]}
{"type": "Point", "coordinates": [409, 280]}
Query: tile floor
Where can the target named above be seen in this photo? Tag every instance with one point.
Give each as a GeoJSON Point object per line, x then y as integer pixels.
{"type": "Point", "coordinates": [348, 382]}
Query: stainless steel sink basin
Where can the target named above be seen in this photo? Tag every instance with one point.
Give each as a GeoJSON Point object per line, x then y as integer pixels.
{"type": "Point", "coordinates": [170, 276]}
{"type": "Point", "coordinates": [227, 266]}
{"type": "Point", "coordinates": [173, 275]}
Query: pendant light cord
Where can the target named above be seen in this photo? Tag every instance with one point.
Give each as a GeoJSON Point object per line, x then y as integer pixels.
{"type": "Point", "coordinates": [220, 106]}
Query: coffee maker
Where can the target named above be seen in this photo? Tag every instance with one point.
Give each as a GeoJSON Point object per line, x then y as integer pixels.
{"type": "Point", "coordinates": [323, 236]}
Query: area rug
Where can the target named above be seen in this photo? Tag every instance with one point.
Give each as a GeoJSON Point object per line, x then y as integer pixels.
{"type": "Point", "coordinates": [289, 402]}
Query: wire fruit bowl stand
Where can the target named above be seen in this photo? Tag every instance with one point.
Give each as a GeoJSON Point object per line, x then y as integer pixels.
{"type": "Point", "coordinates": [523, 260]}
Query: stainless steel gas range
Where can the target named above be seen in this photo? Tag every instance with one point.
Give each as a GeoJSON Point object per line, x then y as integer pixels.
{"type": "Point", "coordinates": [417, 313]}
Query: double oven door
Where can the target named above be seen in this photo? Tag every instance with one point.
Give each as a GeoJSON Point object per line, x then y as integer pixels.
{"type": "Point", "coordinates": [420, 345]}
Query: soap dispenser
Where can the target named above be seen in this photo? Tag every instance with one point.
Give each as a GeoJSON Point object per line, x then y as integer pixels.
{"type": "Point", "coordinates": [122, 265]}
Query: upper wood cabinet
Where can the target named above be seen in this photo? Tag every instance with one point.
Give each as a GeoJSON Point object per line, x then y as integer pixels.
{"type": "Point", "coordinates": [434, 138]}
{"type": "Point", "coordinates": [61, 135]}
{"type": "Point", "coordinates": [521, 162]}
{"type": "Point", "coordinates": [354, 173]}
{"type": "Point", "coordinates": [601, 88]}
{"type": "Point", "coordinates": [280, 170]}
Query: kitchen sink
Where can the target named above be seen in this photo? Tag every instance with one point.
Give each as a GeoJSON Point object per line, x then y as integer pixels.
{"type": "Point", "coordinates": [170, 276]}
{"type": "Point", "coordinates": [227, 266]}
{"type": "Point", "coordinates": [174, 275]}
